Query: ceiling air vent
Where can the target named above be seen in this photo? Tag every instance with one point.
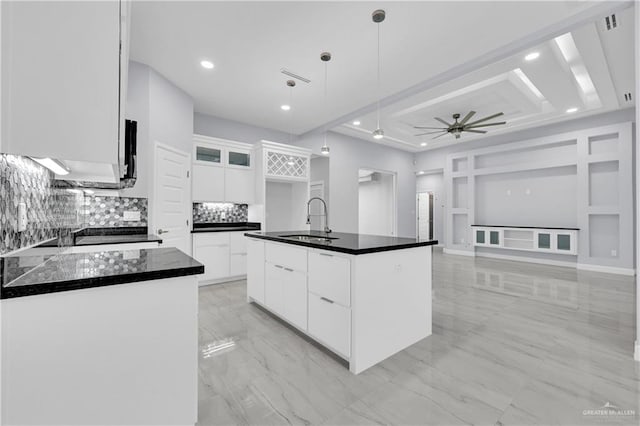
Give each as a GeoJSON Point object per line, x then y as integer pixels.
{"type": "Point", "coordinates": [610, 22]}
{"type": "Point", "coordinates": [627, 97]}
{"type": "Point", "coordinates": [294, 75]}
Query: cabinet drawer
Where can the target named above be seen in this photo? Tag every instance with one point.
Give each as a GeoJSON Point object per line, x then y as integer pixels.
{"type": "Point", "coordinates": [330, 323]}
{"type": "Point", "coordinates": [291, 257]}
{"type": "Point", "coordinates": [238, 242]}
{"type": "Point", "coordinates": [210, 239]}
{"type": "Point", "coordinates": [330, 277]}
{"type": "Point", "coordinates": [238, 264]}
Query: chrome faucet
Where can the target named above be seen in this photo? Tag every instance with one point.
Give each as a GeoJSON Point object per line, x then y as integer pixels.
{"type": "Point", "coordinates": [326, 214]}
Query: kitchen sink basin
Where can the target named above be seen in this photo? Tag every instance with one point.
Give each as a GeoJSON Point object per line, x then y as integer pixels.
{"type": "Point", "coordinates": [310, 238]}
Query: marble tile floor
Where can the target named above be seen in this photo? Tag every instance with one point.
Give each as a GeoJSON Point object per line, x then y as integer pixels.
{"type": "Point", "coordinates": [513, 344]}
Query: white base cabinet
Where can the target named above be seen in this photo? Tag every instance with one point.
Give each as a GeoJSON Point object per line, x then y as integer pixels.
{"type": "Point", "coordinates": [223, 254]}
{"type": "Point", "coordinates": [364, 308]}
{"type": "Point", "coordinates": [115, 355]}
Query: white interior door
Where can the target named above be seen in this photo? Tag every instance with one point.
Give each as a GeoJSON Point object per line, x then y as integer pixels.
{"type": "Point", "coordinates": [172, 197]}
{"type": "Point", "coordinates": [316, 189]}
{"type": "Point", "coordinates": [425, 227]}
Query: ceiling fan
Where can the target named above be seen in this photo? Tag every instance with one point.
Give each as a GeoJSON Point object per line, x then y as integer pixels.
{"type": "Point", "coordinates": [456, 128]}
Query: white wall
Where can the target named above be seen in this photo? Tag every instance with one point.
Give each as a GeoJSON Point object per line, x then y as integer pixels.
{"type": "Point", "coordinates": [165, 114]}
{"type": "Point", "coordinates": [434, 183]}
{"type": "Point", "coordinates": [375, 205]}
{"type": "Point", "coordinates": [348, 155]}
{"type": "Point", "coordinates": [217, 127]}
{"type": "Point", "coordinates": [320, 172]}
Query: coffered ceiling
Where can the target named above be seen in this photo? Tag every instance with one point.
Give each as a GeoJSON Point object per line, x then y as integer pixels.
{"type": "Point", "coordinates": [250, 42]}
{"type": "Point", "coordinates": [586, 71]}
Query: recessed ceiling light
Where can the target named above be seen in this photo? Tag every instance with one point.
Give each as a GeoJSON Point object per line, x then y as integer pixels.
{"type": "Point", "coordinates": [356, 123]}
{"type": "Point", "coordinates": [572, 110]}
{"type": "Point", "coordinates": [207, 64]}
{"type": "Point", "coordinates": [532, 56]}
{"type": "Point", "coordinates": [424, 144]}
{"type": "Point", "coordinates": [421, 172]}
{"type": "Point", "coordinates": [285, 107]}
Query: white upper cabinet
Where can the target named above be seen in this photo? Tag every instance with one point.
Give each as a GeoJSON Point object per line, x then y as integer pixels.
{"type": "Point", "coordinates": [63, 79]}
{"type": "Point", "coordinates": [222, 171]}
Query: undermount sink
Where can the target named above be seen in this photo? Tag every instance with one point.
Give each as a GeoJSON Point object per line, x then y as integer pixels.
{"type": "Point", "coordinates": [310, 238]}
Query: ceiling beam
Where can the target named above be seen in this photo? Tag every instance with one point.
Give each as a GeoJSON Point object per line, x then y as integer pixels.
{"type": "Point", "coordinates": [582, 18]}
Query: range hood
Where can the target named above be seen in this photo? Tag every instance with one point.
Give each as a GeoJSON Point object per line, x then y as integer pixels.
{"type": "Point", "coordinates": [83, 174]}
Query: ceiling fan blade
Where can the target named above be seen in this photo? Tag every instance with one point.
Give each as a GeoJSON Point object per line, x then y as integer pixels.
{"type": "Point", "coordinates": [475, 131]}
{"type": "Point", "coordinates": [467, 117]}
{"type": "Point", "coordinates": [486, 118]}
{"type": "Point", "coordinates": [434, 128]}
{"type": "Point", "coordinates": [484, 125]}
{"type": "Point", "coordinates": [442, 121]}
{"type": "Point", "coordinates": [429, 133]}
{"type": "Point", "coordinates": [445, 133]}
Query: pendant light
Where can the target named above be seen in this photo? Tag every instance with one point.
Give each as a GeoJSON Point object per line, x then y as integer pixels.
{"type": "Point", "coordinates": [325, 57]}
{"type": "Point", "coordinates": [377, 17]}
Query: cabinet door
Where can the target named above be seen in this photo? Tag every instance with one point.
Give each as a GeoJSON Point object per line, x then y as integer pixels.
{"type": "Point", "coordinates": [239, 185]}
{"type": "Point", "coordinates": [543, 240]}
{"type": "Point", "coordinates": [209, 155]}
{"type": "Point", "coordinates": [330, 276]}
{"type": "Point", "coordinates": [238, 264]}
{"type": "Point", "coordinates": [238, 158]}
{"type": "Point", "coordinates": [212, 250]}
{"type": "Point", "coordinates": [564, 242]}
{"type": "Point", "coordinates": [255, 269]}
{"type": "Point", "coordinates": [207, 183]}
{"type": "Point", "coordinates": [62, 63]}
{"type": "Point", "coordinates": [295, 297]}
{"type": "Point", "coordinates": [330, 323]}
{"type": "Point", "coordinates": [238, 242]}
{"type": "Point", "coordinates": [274, 288]}
{"type": "Point", "coordinates": [480, 235]}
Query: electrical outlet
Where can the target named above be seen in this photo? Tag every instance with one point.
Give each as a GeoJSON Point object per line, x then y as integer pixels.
{"type": "Point", "coordinates": [614, 253]}
{"type": "Point", "coordinates": [22, 217]}
{"type": "Point", "coordinates": [223, 215]}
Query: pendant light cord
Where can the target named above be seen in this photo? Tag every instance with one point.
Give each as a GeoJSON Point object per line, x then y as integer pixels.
{"type": "Point", "coordinates": [326, 110]}
{"type": "Point", "coordinates": [378, 103]}
{"type": "Point", "coordinates": [291, 115]}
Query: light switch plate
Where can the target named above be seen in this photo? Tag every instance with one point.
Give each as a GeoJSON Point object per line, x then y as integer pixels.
{"type": "Point", "coordinates": [131, 216]}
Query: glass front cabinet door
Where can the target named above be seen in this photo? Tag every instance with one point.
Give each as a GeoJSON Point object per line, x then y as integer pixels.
{"type": "Point", "coordinates": [238, 158]}
{"type": "Point", "coordinates": [563, 242]}
{"type": "Point", "coordinates": [494, 238]}
{"type": "Point", "coordinates": [544, 241]}
{"type": "Point", "coordinates": [480, 236]}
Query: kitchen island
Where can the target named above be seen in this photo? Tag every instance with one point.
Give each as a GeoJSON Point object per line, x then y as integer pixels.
{"type": "Point", "coordinates": [104, 337]}
{"type": "Point", "coordinates": [364, 297]}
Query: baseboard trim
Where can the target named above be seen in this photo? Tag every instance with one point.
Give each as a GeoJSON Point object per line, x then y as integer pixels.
{"type": "Point", "coordinates": [636, 354]}
{"type": "Point", "coordinates": [459, 252]}
{"type": "Point", "coordinates": [528, 259]}
{"type": "Point", "coordinates": [606, 269]}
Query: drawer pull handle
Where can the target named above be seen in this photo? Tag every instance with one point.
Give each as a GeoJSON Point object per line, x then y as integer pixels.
{"type": "Point", "coordinates": [324, 254]}
{"type": "Point", "coordinates": [326, 300]}
{"type": "Point", "coordinates": [288, 269]}
{"type": "Point", "coordinates": [278, 266]}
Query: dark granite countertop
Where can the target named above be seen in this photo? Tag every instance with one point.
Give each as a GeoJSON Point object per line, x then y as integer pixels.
{"type": "Point", "coordinates": [345, 242]}
{"type": "Point", "coordinates": [225, 227]}
{"type": "Point", "coordinates": [38, 271]}
{"type": "Point", "coordinates": [96, 240]}
{"type": "Point", "coordinates": [525, 227]}
{"type": "Point", "coordinates": [109, 235]}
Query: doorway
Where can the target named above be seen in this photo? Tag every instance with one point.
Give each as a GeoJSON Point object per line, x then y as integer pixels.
{"type": "Point", "coordinates": [171, 207]}
{"type": "Point", "coordinates": [377, 207]}
{"type": "Point", "coordinates": [425, 215]}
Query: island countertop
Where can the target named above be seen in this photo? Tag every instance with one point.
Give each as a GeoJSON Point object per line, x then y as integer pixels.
{"type": "Point", "coordinates": [344, 242]}
{"type": "Point", "coordinates": [32, 273]}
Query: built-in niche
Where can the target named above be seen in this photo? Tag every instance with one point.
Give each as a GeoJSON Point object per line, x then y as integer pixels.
{"type": "Point", "coordinates": [459, 192]}
{"type": "Point", "coordinates": [604, 240]}
{"type": "Point", "coordinates": [528, 155]}
{"type": "Point", "coordinates": [603, 144]}
{"type": "Point", "coordinates": [603, 183]}
{"type": "Point", "coordinates": [460, 226]}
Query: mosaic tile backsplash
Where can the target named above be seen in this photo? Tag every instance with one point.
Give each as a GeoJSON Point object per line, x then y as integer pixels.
{"type": "Point", "coordinates": [51, 212]}
{"type": "Point", "coordinates": [220, 212]}
{"type": "Point", "coordinates": [99, 211]}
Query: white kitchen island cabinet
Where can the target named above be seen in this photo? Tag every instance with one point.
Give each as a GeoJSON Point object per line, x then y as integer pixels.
{"type": "Point", "coordinates": [364, 297]}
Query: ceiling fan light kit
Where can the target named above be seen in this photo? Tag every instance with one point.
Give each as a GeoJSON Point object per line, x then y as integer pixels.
{"type": "Point", "coordinates": [458, 127]}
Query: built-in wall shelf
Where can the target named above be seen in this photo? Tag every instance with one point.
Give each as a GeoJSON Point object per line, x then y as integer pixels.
{"type": "Point", "coordinates": [527, 238]}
